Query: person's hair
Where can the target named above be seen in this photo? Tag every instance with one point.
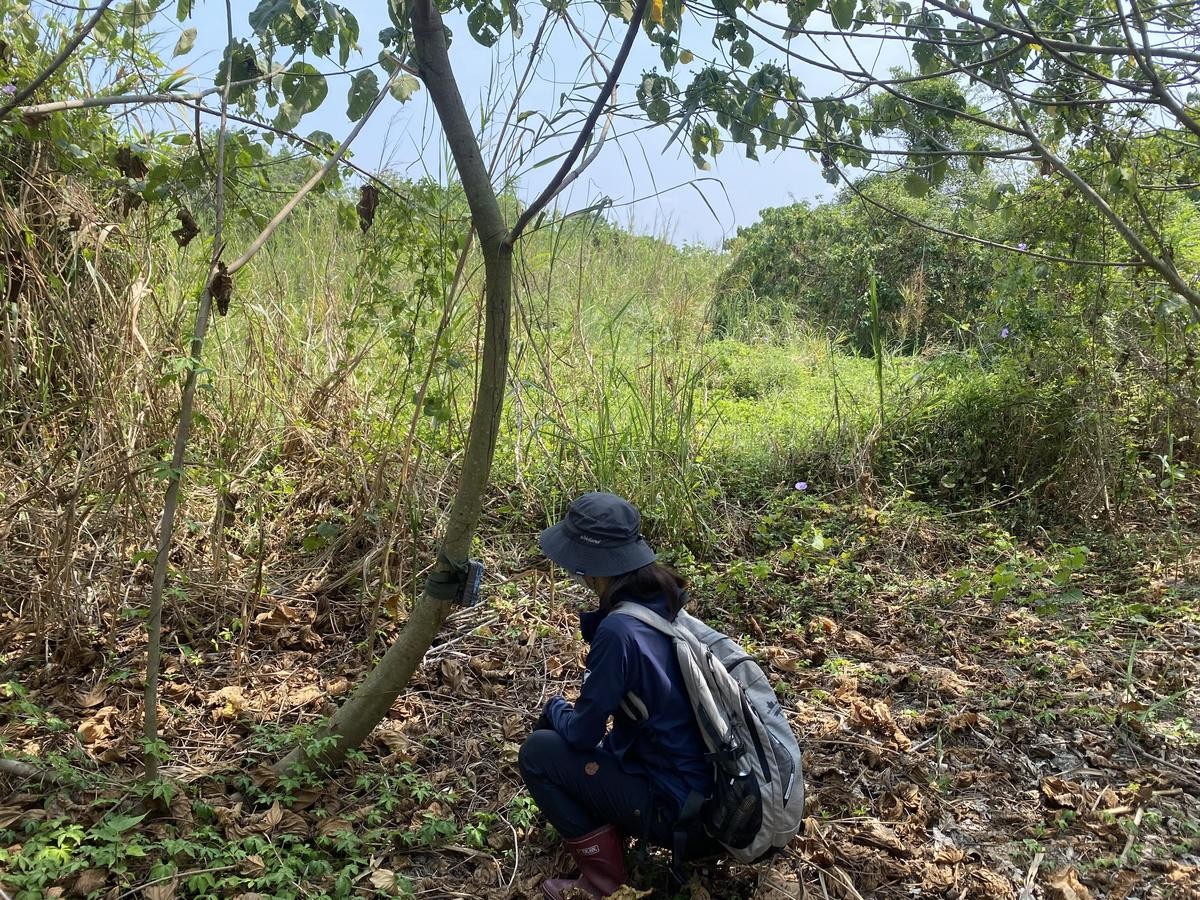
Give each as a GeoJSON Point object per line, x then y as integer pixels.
{"type": "Point", "coordinates": [646, 583]}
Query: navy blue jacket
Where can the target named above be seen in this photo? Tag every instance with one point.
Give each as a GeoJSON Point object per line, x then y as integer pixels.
{"type": "Point", "coordinates": [628, 655]}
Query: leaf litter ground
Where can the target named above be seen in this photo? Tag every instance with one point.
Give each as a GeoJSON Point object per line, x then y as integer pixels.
{"type": "Point", "coordinates": [976, 724]}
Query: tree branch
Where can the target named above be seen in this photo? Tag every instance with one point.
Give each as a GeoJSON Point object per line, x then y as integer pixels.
{"type": "Point", "coordinates": [55, 64]}
{"type": "Point", "coordinates": [1064, 46]}
{"type": "Point", "coordinates": [318, 176]}
{"type": "Point", "coordinates": [371, 700]}
{"type": "Point", "coordinates": [44, 109]}
{"type": "Point", "coordinates": [183, 430]}
{"type": "Point", "coordinates": [589, 125]}
{"type": "Point", "coordinates": [1145, 61]}
{"type": "Point", "coordinates": [958, 235]}
{"type": "Point", "coordinates": [1160, 265]}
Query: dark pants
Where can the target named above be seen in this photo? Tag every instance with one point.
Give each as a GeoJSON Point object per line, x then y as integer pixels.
{"type": "Point", "coordinates": [582, 790]}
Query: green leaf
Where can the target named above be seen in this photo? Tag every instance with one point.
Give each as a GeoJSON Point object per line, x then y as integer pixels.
{"type": "Point", "coordinates": [363, 91]}
{"type": "Point", "coordinates": [185, 43]}
{"type": "Point", "coordinates": [842, 12]}
{"type": "Point", "coordinates": [404, 87]}
{"type": "Point", "coordinates": [264, 16]}
{"type": "Point", "coordinates": [183, 9]}
{"type": "Point", "coordinates": [742, 52]}
{"type": "Point", "coordinates": [916, 185]}
{"type": "Point", "coordinates": [138, 13]}
{"type": "Point", "coordinates": [926, 56]}
{"type": "Point", "coordinates": [120, 824]}
{"type": "Point", "coordinates": [515, 22]}
{"type": "Point", "coordinates": [303, 87]}
{"type": "Point", "coordinates": [485, 23]}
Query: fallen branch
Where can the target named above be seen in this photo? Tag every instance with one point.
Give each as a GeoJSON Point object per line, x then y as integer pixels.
{"type": "Point", "coordinates": [18, 769]}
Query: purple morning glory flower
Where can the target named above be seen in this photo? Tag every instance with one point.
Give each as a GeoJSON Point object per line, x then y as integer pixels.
{"type": "Point", "coordinates": [8, 90]}
{"type": "Point", "coordinates": [1004, 332]}
{"type": "Point", "coordinates": [1022, 246]}
{"type": "Point", "coordinates": [802, 485]}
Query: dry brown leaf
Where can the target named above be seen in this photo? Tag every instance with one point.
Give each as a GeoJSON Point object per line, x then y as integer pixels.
{"type": "Point", "coordinates": [949, 855]}
{"type": "Point", "coordinates": [875, 716]}
{"type": "Point", "coordinates": [1122, 884]}
{"type": "Point", "coordinates": [1062, 793]}
{"type": "Point", "coordinates": [821, 625]}
{"type": "Point", "coordinates": [306, 797]}
{"type": "Point", "coordinates": [452, 671]}
{"type": "Point", "coordinates": [293, 823]}
{"type": "Point", "coordinates": [99, 726]}
{"type": "Point", "coordinates": [968, 719]}
{"type": "Point", "coordinates": [875, 834]}
{"type": "Point", "coordinates": [1065, 885]}
{"type": "Point", "coordinates": [940, 876]}
{"type": "Point", "coordinates": [163, 890]}
{"type": "Point", "coordinates": [384, 880]}
{"type": "Point", "coordinates": [946, 681]}
{"type": "Point", "coordinates": [1080, 672]}
{"type": "Point", "coordinates": [306, 696]}
{"type": "Point", "coordinates": [280, 617]}
{"type": "Point", "coordinates": [252, 866]}
{"type": "Point", "coordinates": [336, 687]}
{"type": "Point", "coordinates": [89, 880]}
{"type": "Point", "coordinates": [273, 816]}
{"type": "Point", "coordinates": [229, 818]}
{"type": "Point", "coordinates": [394, 740]}
{"type": "Point", "coordinates": [989, 885]}
{"type": "Point", "coordinates": [227, 703]}
{"type": "Point", "coordinates": [781, 659]}
{"type": "Point", "coordinates": [514, 727]}
{"type": "Point", "coordinates": [93, 697]}
{"type": "Point", "coordinates": [333, 826]}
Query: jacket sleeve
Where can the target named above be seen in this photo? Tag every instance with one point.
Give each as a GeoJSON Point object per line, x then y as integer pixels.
{"type": "Point", "coordinates": [583, 726]}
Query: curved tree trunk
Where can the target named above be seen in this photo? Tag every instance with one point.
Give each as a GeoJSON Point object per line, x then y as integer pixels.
{"type": "Point", "coordinates": [374, 696]}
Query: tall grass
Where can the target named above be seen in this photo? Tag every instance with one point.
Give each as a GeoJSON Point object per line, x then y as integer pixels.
{"type": "Point", "coordinates": [333, 408]}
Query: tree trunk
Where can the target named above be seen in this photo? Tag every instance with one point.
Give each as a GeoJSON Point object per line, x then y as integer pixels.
{"type": "Point", "coordinates": [374, 696]}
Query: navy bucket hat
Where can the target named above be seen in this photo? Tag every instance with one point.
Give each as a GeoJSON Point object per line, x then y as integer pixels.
{"type": "Point", "coordinates": [601, 535]}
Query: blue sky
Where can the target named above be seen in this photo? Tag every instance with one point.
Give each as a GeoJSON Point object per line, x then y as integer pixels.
{"type": "Point", "coordinates": [654, 189]}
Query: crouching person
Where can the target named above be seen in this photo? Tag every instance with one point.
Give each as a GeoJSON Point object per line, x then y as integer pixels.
{"type": "Point", "coordinates": [646, 777]}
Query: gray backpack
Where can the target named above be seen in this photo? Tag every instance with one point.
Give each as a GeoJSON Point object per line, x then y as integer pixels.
{"type": "Point", "coordinates": [758, 803]}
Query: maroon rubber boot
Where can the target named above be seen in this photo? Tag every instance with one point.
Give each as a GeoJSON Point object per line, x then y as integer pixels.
{"type": "Point", "coordinates": [600, 857]}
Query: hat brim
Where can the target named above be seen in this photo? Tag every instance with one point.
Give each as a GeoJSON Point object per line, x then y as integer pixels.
{"type": "Point", "coordinates": [583, 559]}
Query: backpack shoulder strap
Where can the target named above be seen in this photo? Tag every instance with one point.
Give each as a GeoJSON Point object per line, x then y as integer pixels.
{"type": "Point", "coordinates": [646, 616]}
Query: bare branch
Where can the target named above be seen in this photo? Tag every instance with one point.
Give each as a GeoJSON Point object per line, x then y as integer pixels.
{"type": "Point", "coordinates": [44, 109]}
{"type": "Point", "coordinates": [589, 125]}
{"type": "Point", "coordinates": [1063, 46]}
{"type": "Point", "coordinates": [183, 430]}
{"type": "Point", "coordinates": [1145, 61]}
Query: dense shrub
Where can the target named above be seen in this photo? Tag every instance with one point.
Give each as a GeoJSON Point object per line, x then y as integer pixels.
{"type": "Point", "coordinates": [812, 266]}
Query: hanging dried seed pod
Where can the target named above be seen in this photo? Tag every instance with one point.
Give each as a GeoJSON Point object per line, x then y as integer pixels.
{"type": "Point", "coordinates": [187, 229]}
{"type": "Point", "coordinates": [368, 199]}
{"type": "Point", "coordinates": [222, 288]}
